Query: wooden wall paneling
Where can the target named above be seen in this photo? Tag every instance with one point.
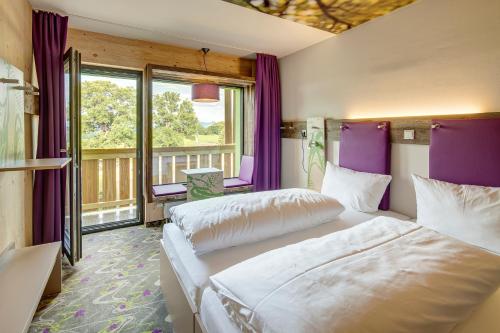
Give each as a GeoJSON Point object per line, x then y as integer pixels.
{"type": "Point", "coordinates": [134, 178]}
{"type": "Point", "coordinates": [107, 50]}
{"type": "Point", "coordinates": [156, 171]}
{"type": "Point", "coordinates": [292, 129]}
{"type": "Point", "coordinates": [90, 181]}
{"type": "Point", "coordinates": [166, 169]}
{"type": "Point", "coordinates": [193, 162]}
{"type": "Point", "coordinates": [180, 164]}
{"type": "Point", "coordinates": [16, 187]}
{"type": "Point", "coordinates": [204, 162]}
{"type": "Point", "coordinates": [216, 161]}
{"type": "Point", "coordinates": [124, 178]}
{"type": "Point", "coordinates": [109, 179]}
{"type": "Point", "coordinates": [201, 76]}
{"type": "Point", "coordinates": [421, 125]}
{"type": "Point", "coordinates": [227, 165]}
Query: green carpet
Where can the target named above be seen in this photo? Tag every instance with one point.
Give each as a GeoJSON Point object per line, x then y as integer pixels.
{"type": "Point", "coordinates": [114, 288]}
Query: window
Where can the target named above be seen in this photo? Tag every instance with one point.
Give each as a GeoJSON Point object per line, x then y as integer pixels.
{"type": "Point", "coordinates": [110, 121]}
{"type": "Point", "coordinates": [189, 135]}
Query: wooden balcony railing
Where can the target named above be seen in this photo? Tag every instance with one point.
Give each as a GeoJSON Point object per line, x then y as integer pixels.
{"type": "Point", "coordinates": [109, 175]}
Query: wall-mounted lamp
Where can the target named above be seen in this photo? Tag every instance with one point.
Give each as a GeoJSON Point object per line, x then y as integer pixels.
{"type": "Point", "coordinates": [205, 92]}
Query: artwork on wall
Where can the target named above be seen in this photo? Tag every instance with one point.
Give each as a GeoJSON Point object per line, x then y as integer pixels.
{"type": "Point", "coordinates": [317, 155]}
{"type": "Point", "coordinates": [11, 115]}
{"type": "Point", "coordinates": [334, 16]}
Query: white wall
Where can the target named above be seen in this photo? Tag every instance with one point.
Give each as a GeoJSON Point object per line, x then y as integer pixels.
{"type": "Point", "coordinates": [431, 57]}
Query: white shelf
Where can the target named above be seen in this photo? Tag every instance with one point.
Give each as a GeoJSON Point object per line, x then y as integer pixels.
{"type": "Point", "coordinates": [25, 275]}
{"type": "Point", "coordinates": [36, 164]}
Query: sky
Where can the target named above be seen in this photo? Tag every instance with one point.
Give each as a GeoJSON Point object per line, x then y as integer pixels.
{"type": "Point", "coordinates": [206, 112]}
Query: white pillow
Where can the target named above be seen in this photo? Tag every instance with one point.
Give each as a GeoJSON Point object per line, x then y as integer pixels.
{"type": "Point", "coordinates": [361, 191]}
{"type": "Point", "coordinates": [466, 212]}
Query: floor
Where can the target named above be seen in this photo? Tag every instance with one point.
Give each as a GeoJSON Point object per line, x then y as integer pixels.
{"type": "Point", "coordinates": [109, 215]}
{"type": "Point", "coordinates": [114, 288]}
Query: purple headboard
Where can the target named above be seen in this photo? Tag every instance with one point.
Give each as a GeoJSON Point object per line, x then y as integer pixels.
{"type": "Point", "coordinates": [366, 146]}
{"type": "Point", "coordinates": [466, 151]}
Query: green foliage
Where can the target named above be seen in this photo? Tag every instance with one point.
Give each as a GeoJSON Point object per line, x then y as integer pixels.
{"type": "Point", "coordinates": [173, 120]}
{"type": "Point", "coordinates": [108, 118]}
{"type": "Point", "coordinates": [108, 115]}
{"type": "Point", "coordinates": [215, 128]}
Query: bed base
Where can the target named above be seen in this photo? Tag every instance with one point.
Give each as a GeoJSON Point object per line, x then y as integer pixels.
{"type": "Point", "coordinates": [182, 311]}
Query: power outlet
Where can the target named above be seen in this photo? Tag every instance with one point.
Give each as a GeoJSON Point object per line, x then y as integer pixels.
{"type": "Point", "coordinates": [409, 134]}
{"type": "Point", "coordinates": [303, 133]}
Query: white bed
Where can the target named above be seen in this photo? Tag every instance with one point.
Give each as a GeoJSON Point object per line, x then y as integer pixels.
{"type": "Point", "coordinates": [215, 319]}
{"type": "Point", "coordinates": [194, 270]}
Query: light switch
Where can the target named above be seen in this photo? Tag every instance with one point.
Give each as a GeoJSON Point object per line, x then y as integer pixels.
{"type": "Point", "coordinates": [409, 134]}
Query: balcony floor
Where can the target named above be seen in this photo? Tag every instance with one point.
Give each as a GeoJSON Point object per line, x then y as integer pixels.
{"type": "Point", "coordinates": [96, 217]}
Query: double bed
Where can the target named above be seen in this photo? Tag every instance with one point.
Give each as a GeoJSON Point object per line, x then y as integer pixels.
{"type": "Point", "coordinates": [194, 285]}
{"type": "Point", "coordinates": [185, 276]}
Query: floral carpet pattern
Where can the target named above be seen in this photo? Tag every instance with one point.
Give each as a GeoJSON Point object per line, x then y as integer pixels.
{"type": "Point", "coordinates": [114, 288]}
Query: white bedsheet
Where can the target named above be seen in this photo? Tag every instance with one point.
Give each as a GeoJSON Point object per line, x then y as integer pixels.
{"type": "Point", "coordinates": [194, 271]}
{"type": "Point", "coordinates": [485, 318]}
{"type": "Point", "coordinates": [232, 220]}
{"type": "Point", "coordinates": [384, 275]}
{"type": "Point", "coordinates": [213, 315]}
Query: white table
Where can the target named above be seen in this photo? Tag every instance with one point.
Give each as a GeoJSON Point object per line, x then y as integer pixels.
{"type": "Point", "coordinates": [204, 183]}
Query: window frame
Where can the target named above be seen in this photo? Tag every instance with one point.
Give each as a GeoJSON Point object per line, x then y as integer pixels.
{"type": "Point", "coordinates": [153, 72]}
{"type": "Point", "coordinates": [189, 82]}
{"type": "Point", "coordinates": [90, 69]}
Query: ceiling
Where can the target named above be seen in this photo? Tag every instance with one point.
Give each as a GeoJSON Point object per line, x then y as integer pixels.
{"type": "Point", "coordinates": [334, 16]}
{"type": "Point", "coordinates": [216, 24]}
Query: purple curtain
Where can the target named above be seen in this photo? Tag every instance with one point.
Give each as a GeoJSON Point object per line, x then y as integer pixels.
{"type": "Point", "coordinates": [267, 139]}
{"type": "Point", "coordinates": [49, 42]}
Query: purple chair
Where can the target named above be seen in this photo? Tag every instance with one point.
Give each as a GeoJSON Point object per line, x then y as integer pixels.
{"type": "Point", "coordinates": [168, 189]}
{"type": "Point", "coordinates": [246, 172]}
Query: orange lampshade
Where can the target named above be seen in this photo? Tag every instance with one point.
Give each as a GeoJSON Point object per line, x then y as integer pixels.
{"type": "Point", "coordinates": [205, 92]}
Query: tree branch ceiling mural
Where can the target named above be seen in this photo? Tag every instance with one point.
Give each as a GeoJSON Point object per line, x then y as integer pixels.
{"type": "Point", "coordinates": [334, 16]}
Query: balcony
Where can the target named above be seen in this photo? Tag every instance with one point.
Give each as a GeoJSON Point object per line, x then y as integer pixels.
{"type": "Point", "coordinates": [109, 189]}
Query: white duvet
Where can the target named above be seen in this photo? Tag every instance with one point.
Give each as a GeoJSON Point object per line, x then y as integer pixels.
{"type": "Point", "coordinates": [226, 221]}
{"type": "Point", "coordinates": [385, 275]}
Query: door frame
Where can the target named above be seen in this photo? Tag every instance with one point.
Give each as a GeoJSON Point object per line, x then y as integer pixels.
{"type": "Point", "coordinates": [138, 75]}
{"type": "Point", "coordinates": [74, 239]}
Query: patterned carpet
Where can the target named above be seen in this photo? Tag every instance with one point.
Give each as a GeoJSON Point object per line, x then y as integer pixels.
{"type": "Point", "coordinates": [114, 288]}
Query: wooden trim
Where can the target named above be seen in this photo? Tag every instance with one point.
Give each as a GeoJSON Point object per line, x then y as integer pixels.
{"type": "Point", "coordinates": [107, 204]}
{"type": "Point", "coordinates": [148, 135]}
{"type": "Point", "coordinates": [200, 76]}
{"type": "Point", "coordinates": [420, 124]}
{"type": "Point", "coordinates": [119, 52]}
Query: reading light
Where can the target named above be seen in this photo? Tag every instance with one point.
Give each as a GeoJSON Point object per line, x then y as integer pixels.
{"type": "Point", "coordinates": [205, 92]}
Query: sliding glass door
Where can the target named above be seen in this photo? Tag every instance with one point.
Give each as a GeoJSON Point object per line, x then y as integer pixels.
{"type": "Point", "coordinates": [110, 148]}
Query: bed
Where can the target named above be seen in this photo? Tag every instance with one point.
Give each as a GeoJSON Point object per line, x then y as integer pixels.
{"type": "Point", "coordinates": [212, 317]}
{"type": "Point", "coordinates": [194, 270]}
{"type": "Point", "coordinates": [184, 275]}
{"type": "Point", "coordinates": [445, 163]}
